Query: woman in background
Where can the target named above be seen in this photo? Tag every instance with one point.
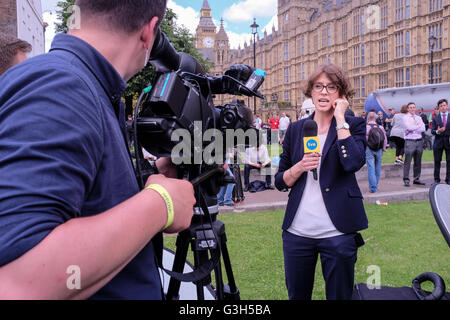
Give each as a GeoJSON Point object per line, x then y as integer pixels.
{"type": "Point", "coordinates": [398, 134]}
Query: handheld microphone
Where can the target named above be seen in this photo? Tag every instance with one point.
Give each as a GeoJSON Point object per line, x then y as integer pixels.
{"type": "Point", "coordinates": [311, 140]}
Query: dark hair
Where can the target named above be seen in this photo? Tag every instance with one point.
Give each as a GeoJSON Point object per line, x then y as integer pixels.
{"type": "Point", "coordinates": [124, 15]}
{"type": "Point", "coordinates": [441, 101]}
{"type": "Point", "coordinates": [410, 103]}
{"type": "Point", "coordinates": [336, 75]}
{"type": "Point", "coordinates": [9, 46]}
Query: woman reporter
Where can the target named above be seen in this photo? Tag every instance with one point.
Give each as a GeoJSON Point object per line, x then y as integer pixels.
{"type": "Point", "coordinates": [323, 216]}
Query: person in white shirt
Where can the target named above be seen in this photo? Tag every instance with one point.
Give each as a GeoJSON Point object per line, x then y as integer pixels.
{"type": "Point", "coordinates": [305, 114]}
{"type": "Point", "coordinates": [257, 122]}
{"type": "Point", "coordinates": [257, 158]}
{"type": "Point", "coordinates": [284, 124]}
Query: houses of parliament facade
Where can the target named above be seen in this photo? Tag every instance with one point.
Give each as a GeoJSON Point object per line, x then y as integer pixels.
{"type": "Point", "coordinates": [379, 43]}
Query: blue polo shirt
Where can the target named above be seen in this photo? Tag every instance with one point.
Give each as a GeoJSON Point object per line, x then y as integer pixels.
{"type": "Point", "coordinates": [63, 155]}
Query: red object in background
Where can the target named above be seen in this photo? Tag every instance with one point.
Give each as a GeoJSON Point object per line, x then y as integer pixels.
{"type": "Point", "coordinates": [274, 123]}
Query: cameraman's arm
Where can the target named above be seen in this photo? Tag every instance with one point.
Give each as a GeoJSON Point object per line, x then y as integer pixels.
{"type": "Point", "coordinates": [49, 166]}
{"type": "Point", "coordinates": [100, 246]}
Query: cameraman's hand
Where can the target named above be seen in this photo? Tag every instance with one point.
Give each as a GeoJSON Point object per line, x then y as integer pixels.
{"type": "Point", "coordinates": [166, 167]}
{"type": "Point", "coordinates": [182, 194]}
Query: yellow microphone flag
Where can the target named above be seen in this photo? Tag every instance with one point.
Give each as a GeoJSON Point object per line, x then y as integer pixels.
{"type": "Point", "coordinates": [311, 144]}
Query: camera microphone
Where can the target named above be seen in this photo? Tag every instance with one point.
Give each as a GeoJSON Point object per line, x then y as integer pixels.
{"type": "Point", "coordinates": [256, 79]}
{"type": "Point", "coordinates": [311, 140]}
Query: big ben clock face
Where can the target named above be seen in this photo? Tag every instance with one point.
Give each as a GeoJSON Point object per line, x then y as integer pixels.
{"type": "Point", "coordinates": [208, 42]}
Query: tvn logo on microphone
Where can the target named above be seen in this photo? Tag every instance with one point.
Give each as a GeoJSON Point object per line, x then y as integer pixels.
{"type": "Point", "coordinates": [311, 144]}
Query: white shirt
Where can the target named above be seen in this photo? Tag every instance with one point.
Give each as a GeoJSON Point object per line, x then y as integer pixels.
{"type": "Point", "coordinates": [254, 156]}
{"type": "Point", "coordinates": [284, 123]}
{"type": "Point", "coordinates": [312, 219]}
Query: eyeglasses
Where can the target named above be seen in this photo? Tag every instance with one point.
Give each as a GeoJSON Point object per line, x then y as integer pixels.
{"type": "Point", "coordinates": [331, 88]}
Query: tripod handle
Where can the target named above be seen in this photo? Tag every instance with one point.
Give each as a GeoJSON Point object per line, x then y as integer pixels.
{"type": "Point", "coordinates": [205, 176]}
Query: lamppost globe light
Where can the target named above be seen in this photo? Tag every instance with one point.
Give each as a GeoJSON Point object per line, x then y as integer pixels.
{"type": "Point", "coordinates": [254, 27]}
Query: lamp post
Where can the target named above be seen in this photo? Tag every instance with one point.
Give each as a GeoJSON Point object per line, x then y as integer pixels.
{"type": "Point", "coordinates": [432, 43]}
{"type": "Point", "coordinates": [254, 27]}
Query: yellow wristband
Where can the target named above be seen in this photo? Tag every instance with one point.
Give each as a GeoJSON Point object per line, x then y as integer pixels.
{"type": "Point", "coordinates": [168, 199]}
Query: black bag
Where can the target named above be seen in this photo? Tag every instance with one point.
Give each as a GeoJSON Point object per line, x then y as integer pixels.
{"type": "Point", "coordinates": [362, 292]}
{"type": "Point", "coordinates": [375, 139]}
{"type": "Point", "coordinates": [256, 186]}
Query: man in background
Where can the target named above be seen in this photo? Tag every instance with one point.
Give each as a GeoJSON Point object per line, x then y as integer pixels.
{"type": "Point", "coordinates": [12, 51]}
{"type": "Point", "coordinates": [257, 158]}
{"type": "Point", "coordinates": [274, 126]}
{"type": "Point", "coordinates": [374, 153]}
{"type": "Point", "coordinates": [69, 198]}
{"type": "Point", "coordinates": [414, 127]}
{"type": "Point", "coordinates": [441, 131]}
{"type": "Point", "coordinates": [388, 126]}
{"type": "Point", "coordinates": [426, 135]}
{"type": "Point", "coordinates": [284, 124]}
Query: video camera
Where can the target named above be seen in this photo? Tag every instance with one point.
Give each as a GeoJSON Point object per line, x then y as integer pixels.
{"type": "Point", "coordinates": [179, 106]}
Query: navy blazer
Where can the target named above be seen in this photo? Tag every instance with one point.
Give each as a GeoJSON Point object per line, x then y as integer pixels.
{"type": "Point", "coordinates": [437, 122]}
{"type": "Point", "coordinates": [340, 160]}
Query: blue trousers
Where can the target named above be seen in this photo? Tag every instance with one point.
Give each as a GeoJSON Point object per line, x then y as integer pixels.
{"type": "Point", "coordinates": [226, 193]}
{"type": "Point", "coordinates": [373, 159]}
{"type": "Point", "coordinates": [338, 258]}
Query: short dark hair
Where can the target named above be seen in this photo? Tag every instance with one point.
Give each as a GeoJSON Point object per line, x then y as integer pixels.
{"type": "Point", "coordinates": [124, 15]}
{"type": "Point", "coordinates": [336, 75]}
{"type": "Point", "coordinates": [9, 46]}
{"type": "Point", "coordinates": [410, 103]}
{"type": "Point", "coordinates": [441, 101]}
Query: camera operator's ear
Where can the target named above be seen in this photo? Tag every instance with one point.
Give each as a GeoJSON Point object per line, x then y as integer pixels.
{"type": "Point", "coordinates": [148, 33]}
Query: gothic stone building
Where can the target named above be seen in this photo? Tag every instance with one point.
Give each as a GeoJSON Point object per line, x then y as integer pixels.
{"type": "Point", "coordinates": [379, 43]}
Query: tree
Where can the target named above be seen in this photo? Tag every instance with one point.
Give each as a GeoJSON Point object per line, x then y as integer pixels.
{"type": "Point", "coordinates": [179, 36]}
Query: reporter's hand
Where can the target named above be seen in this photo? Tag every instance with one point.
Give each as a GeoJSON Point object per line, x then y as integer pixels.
{"type": "Point", "coordinates": [340, 106]}
{"type": "Point", "coordinates": [309, 161]}
{"type": "Point", "coordinates": [182, 194]}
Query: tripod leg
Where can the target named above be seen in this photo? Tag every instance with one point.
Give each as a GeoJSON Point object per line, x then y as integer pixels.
{"type": "Point", "coordinates": [219, 281]}
{"type": "Point", "coordinates": [178, 265]}
{"type": "Point", "coordinates": [234, 292]}
{"type": "Point", "coordinates": [199, 258]}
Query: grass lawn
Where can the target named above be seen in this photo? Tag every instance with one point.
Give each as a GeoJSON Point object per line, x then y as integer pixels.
{"type": "Point", "coordinates": [403, 240]}
{"type": "Point", "coordinates": [388, 156]}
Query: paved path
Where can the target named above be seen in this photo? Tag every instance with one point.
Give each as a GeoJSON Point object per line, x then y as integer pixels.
{"type": "Point", "coordinates": [390, 190]}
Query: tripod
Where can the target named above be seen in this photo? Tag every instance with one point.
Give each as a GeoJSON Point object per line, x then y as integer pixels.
{"type": "Point", "coordinates": [204, 236]}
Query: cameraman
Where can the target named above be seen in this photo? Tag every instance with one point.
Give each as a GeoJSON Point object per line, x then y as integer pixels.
{"type": "Point", "coordinates": [68, 193]}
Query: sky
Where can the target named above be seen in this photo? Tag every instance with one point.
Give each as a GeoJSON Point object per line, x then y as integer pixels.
{"type": "Point", "coordinates": [237, 15]}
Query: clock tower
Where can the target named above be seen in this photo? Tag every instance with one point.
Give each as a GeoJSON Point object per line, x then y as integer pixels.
{"type": "Point", "coordinates": [206, 30]}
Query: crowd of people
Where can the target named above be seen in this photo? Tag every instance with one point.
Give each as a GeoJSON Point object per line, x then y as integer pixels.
{"type": "Point", "coordinates": [409, 131]}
